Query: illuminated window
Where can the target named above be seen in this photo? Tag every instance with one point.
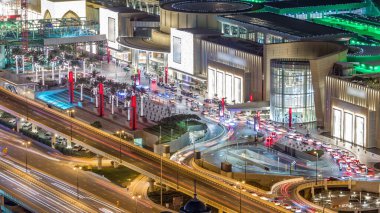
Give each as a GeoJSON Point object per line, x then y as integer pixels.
{"type": "Point", "coordinates": [348, 127]}
{"type": "Point", "coordinates": [177, 50]}
{"type": "Point", "coordinates": [111, 29]}
{"type": "Point", "coordinates": [238, 90]}
{"type": "Point", "coordinates": [359, 130]}
{"type": "Point", "coordinates": [291, 87]}
{"type": "Point", "coordinates": [337, 123]}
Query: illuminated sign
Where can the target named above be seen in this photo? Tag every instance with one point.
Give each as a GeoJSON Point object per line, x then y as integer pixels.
{"type": "Point", "coordinates": [356, 92]}
{"type": "Point", "coordinates": [230, 58]}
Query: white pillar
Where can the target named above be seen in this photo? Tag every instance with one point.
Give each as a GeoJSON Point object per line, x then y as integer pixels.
{"type": "Point", "coordinates": [75, 74]}
{"type": "Point", "coordinates": [112, 104]}
{"type": "Point", "coordinates": [59, 75]}
{"type": "Point", "coordinates": [81, 92]}
{"type": "Point", "coordinates": [23, 64]}
{"type": "Point", "coordinates": [96, 99]}
{"type": "Point", "coordinates": [43, 76]}
{"type": "Point", "coordinates": [110, 98]}
{"type": "Point", "coordinates": [16, 64]}
{"type": "Point", "coordinates": [52, 70]}
{"type": "Point", "coordinates": [117, 100]}
{"type": "Point", "coordinates": [32, 67]}
{"type": "Point", "coordinates": [142, 105]}
{"type": "Point", "coordinates": [36, 72]}
{"type": "Point", "coordinates": [84, 67]}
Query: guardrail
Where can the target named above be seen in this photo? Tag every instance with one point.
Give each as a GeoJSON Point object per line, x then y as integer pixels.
{"type": "Point", "coordinates": [17, 199]}
{"type": "Point", "coordinates": [319, 184]}
{"type": "Point", "coordinates": [146, 153]}
{"type": "Point", "coordinates": [292, 180]}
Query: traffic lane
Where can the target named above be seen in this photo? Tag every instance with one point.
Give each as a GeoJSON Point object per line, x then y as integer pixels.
{"type": "Point", "coordinates": [35, 194]}
{"type": "Point", "coordinates": [65, 173]}
{"type": "Point", "coordinates": [46, 118]}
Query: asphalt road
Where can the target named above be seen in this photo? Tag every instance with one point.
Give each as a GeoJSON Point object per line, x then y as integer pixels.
{"type": "Point", "coordinates": [205, 187]}
{"type": "Point", "coordinates": [57, 172]}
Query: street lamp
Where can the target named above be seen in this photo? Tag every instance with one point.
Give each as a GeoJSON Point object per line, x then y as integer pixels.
{"type": "Point", "coordinates": [240, 188]}
{"type": "Point", "coordinates": [316, 168]}
{"type": "Point", "coordinates": [77, 169]}
{"type": "Point", "coordinates": [136, 198]}
{"type": "Point", "coordinates": [120, 133]}
{"type": "Point", "coordinates": [26, 154]}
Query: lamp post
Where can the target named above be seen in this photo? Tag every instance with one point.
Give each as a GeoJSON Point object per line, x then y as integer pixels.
{"type": "Point", "coordinates": [136, 198]}
{"type": "Point", "coordinates": [26, 154]}
{"type": "Point", "coordinates": [77, 169]}
{"type": "Point", "coordinates": [316, 168]}
{"type": "Point", "coordinates": [161, 179]}
{"type": "Point", "coordinates": [71, 114]}
{"type": "Point", "coordinates": [120, 133]}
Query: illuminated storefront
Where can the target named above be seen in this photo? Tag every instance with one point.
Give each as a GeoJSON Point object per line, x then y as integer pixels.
{"type": "Point", "coordinates": [291, 87]}
{"type": "Point", "coordinates": [352, 111]}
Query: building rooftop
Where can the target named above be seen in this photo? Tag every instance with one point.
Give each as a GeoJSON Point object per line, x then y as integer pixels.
{"type": "Point", "coordinates": [238, 44]}
{"type": "Point", "coordinates": [200, 31]}
{"type": "Point", "coordinates": [210, 6]}
{"type": "Point", "coordinates": [309, 3]}
{"type": "Point", "coordinates": [285, 24]}
{"type": "Point", "coordinates": [148, 17]}
{"type": "Point", "coordinates": [124, 10]}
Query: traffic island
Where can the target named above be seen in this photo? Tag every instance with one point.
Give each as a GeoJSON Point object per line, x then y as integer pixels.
{"type": "Point", "coordinates": [120, 176]}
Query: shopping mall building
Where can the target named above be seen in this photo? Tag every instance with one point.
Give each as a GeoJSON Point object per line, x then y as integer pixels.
{"type": "Point", "coordinates": [226, 49]}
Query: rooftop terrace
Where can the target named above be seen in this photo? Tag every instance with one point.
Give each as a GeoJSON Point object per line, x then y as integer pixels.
{"type": "Point", "coordinates": [284, 24]}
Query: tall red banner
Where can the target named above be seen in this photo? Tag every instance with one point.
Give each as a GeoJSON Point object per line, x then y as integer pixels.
{"type": "Point", "coordinates": [290, 117]}
{"type": "Point", "coordinates": [222, 108]}
{"type": "Point", "coordinates": [133, 111]}
{"type": "Point", "coordinates": [166, 75]}
{"type": "Point", "coordinates": [101, 100]}
{"type": "Point", "coordinates": [71, 87]}
{"type": "Point", "coordinates": [251, 98]}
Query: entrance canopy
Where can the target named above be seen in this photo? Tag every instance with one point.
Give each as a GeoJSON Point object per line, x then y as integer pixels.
{"type": "Point", "coordinates": [249, 106]}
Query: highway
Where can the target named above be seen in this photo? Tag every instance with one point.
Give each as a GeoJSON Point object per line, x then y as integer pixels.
{"type": "Point", "coordinates": [208, 188]}
{"type": "Point", "coordinates": [57, 172]}
{"type": "Point", "coordinates": [37, 194]}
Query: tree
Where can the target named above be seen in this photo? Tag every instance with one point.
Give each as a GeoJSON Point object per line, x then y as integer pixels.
{"type": "Point", "coordinates": [97, 124]}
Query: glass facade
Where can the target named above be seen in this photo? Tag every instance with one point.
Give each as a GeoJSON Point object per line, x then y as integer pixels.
{"type": "Point", "coordinates": [291, 87]}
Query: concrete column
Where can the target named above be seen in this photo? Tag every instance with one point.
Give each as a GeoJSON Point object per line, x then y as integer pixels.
{"type": "Point", "coordinates": [151, 185]}
{"type": "Point", "coordinates": [167, 188]}
{"type": "Point", "coordinates": [99, 161]}
{"type": "Point", "coordinates": [129, 111]}
{"type": "Point", "coordinates": [312, 191]}
{"type": "Point", "coordinates": [18, 124]}
{"type": "Point", "coordinates": [115, 164]}
{"type": "Point", "coordinates": [34, 128]}
{"type": "Point", "coordinates": [69, 143]}
{"type": "Point", "coordinates": [53, 140]}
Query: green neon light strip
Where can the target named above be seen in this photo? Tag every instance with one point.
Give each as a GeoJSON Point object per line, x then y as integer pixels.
{"type": "Point", "coordinates": [353, 26]}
